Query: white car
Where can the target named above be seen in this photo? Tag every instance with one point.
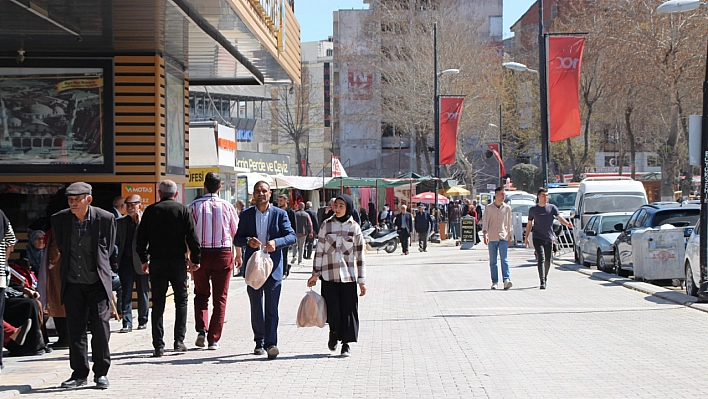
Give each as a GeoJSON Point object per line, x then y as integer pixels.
{"type": "Point", "coordinates": [692, 263]}
{"type": "Point", "coordinates": [596, 240]}
{"type": "Point", "coordinates": [522, 206]}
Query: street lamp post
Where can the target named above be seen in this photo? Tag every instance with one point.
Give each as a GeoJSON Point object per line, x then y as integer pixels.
{"type": "Point", "coordinates": [501, 154]}
{"type": "Point", "coordinates": [542, 68]}
{"type": "Point", "coordinates": [679, 6]}
{"type": "Point", "coordinates": [436, 107]}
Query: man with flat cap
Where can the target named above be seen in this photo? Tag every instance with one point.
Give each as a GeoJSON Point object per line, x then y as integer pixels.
{"type": "Point", "coordinates": [85, 236]}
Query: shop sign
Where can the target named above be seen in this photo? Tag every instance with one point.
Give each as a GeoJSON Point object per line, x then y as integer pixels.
{"type": "Point", "coordinates": [197, 176]}
{"type": "Point", "coordinates": [146, 191]}
{"type": "Point", "coordinates": [270, 164]}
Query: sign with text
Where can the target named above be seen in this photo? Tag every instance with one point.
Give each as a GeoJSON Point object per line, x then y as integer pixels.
{"type": "Point", "coordinates": [467, 225]}
{"type": "Point", "coordinates": [146, 191]}
{"type": "Point", "coordinates": [257, 162]}
{"type": "Point", "coordinates": [197, 176]}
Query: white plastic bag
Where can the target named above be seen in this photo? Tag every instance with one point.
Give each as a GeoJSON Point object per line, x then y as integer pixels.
{"type": "Point", "coordinates": [312, 311]}
{"type": "Point", "coordinates": [258, 269]}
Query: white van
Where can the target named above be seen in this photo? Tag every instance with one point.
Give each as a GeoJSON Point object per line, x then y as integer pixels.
{"type": "Point", "coordinates": [602, 195]}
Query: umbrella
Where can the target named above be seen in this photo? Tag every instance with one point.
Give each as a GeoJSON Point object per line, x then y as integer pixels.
{"type": "Point", "coordinates": [456, 191]}
{"type": "Point", "coordinates": [429, 198]}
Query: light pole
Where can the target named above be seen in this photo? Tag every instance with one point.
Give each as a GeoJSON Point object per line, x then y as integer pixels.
{"type": "Point", "coordinates": [436, 107]}
{"type": "Point", "coordinates": [501, 178]}
{"type": "Point", "coordinates": [679, 6]}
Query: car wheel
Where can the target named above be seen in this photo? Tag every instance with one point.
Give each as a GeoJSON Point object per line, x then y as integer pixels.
{"type": "Point", "coordinates": [600, 261]}
{"type": "Point", "coordinates": [575, 254]}
{"type": "Point", "coordinates": [618, 266]}
{"type": "Point", "coordinates": [582, 259]}
{"type": "Point", "coordinates": [691, 288]}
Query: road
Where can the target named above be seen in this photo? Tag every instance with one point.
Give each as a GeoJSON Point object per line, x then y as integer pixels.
{"type": "Point", "coordinates": [430, 327]}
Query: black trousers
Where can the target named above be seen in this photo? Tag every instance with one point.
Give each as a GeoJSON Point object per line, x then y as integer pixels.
{"type": "Point", "coordinates": [17, 311]}
{"type": "Point", "coordinates": [162, 274]}
{"type": "Point", "coordinates": [308, 246]}
{"type": "Point", "coordinates": [88, 303]}
{"type": "Point", "coordinates": [544, 254]}
{"type": "Point", "coordinates": [405, 239]}
{"type": "Point", "coordinates": [342, 309]}
{"type": "Point", "coordinates": [423, 240]}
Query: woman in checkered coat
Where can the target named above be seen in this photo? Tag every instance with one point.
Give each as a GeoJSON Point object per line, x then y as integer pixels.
{"type": "Point", "coordinates": [339, 263]}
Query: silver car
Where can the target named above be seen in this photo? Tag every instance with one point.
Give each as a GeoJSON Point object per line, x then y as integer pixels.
{"type": "Point", "coordinates": [596, 240]}
{"type": "Point", "coordinates": [692, 263]}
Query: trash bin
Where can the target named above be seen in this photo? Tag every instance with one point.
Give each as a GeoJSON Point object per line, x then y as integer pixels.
{"type": "Point", "coordinates": [442, 228]}
{"type": "Point", "coordinates": [657, 254]}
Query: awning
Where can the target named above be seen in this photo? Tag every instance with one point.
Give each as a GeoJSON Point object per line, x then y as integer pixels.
{"type": "Point", "coordinates": [301, 182]}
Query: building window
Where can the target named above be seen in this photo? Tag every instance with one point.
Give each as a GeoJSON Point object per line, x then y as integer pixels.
{"type": "Point", "coordinates": [330, 52]}
{"type": "Point", "coordinates": [653, 161]}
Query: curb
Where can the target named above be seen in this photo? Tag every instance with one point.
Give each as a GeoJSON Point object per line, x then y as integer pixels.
{"type": "Point", "coordinates": [646, 288]}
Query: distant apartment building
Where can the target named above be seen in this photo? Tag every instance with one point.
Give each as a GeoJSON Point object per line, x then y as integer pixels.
{"type": "Point", "coordinates": [368, 145]}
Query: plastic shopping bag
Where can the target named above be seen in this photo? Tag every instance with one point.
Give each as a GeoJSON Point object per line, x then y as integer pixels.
{"type": "Point", "coordinates": [258, 269]}
{"type": "Point", "coordinates": [312, 311]}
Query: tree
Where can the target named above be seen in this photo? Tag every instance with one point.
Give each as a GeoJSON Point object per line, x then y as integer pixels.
{"type": "Point", "coordinates": [296, 111]}
{"type": "Point", "coordinates": [525, 177]}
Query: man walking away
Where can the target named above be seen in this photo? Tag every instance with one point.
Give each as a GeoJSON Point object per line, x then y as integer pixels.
{"type": "Point", "coordinates": [304, 230]}
{"type": "Point", "coordinates": [454, 219]}
{"type": "Point", "coordinates": [404, 225]}
{"type": "Point", "coordinates": [315, 229]}
{"type": "Point", "coordinates": [423, 226]}
{"type": "Point", "coordinates": [497, 233]}
{"type": "Point", "coordinates": [85, 236]}
{"type": "Point", "coordinates": [216, 223]}
{"type": "Point", "coordinates": [165, 234]}
{"type": "Point", "coordinates": [283, 204]}
{"type": "Point", "coordinates": [130, 268]}
{"type": "Point", "coordinates": [265, 227]}
{"type": "Point", "coordinates": [541, 225]}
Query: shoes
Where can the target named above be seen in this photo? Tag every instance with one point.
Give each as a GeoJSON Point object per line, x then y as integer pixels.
{"type": "Point", "coordinates": [22, 332]}
{"type": "Point", "coordinates": [420, 249]}
{"type": "Point", "coordinates": [201, 338]}
{"type": "Point", "coordinates": [47, 349]}
{"type": "Point", "coordinates": [425, 250]}
{"type": "Point", "coordinates": [214, 346]}
{"type": "Point", "coordinates": [543, 284]}
{"type": "Point", "coordinates": [142, 327]}
{"type": "Point", "coordinates": [332, 343]}
{"type": "Point", "coordinates": [495, 286]}
{"type": "Point", "coordinates": [73, 383]}
{"type": "Point", "coordinates": [273, 352]}
{"type": "Point", "coordinates": [346, 352]}
{"type": "Point", "coordinates": [60, 345]}
{"type": "Point", "coordinates": [101, 382]}
{"type": "Point", "coordinates": [507, 284]}
{"type": "Point", "coordinates": [180, 346]}
{"type": "Point", "coordinates": [300, 265]}
{"type": "Point", "coordinates": [158, 352]}
{"type": "Point", "coordinates": [259, 351]}
{"type": "Point", "coordinates": [125, 330]}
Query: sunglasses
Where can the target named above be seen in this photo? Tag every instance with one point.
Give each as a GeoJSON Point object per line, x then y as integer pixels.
{"type": "Point", "coordinates": [132, 203]}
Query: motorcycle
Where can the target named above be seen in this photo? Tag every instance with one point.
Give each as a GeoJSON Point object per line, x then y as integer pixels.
{"type": "Point", "coordinates": [381, 237]}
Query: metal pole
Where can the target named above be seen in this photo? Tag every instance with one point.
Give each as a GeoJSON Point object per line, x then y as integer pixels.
{"type": "Point", "coordinates": [437, 115]}
{"type": "Point", "coordinates": [501, 154]}
{"type": "Point", "coordinates": [542, 67]}
{"type": "Point", "coordinates": [703, 230]}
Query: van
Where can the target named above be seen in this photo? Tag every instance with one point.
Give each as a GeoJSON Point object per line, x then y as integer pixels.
{"type": "Point", "coordinates": [602, 195]}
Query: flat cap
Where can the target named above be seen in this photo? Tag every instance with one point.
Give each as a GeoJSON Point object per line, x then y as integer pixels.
{"type": "Point", "coordinates": [78, 188]}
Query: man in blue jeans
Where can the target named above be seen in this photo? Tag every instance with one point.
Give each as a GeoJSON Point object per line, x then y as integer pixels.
{"type": "Point", "coordinates": [497, 232]}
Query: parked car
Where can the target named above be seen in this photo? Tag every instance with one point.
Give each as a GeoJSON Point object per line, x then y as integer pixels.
{"type": "Point", "coordinates": [596, 240]}
{"type": "Point", "coordinates": [651, 216]}
{"type": "Point", "coordinates": [691, 263]}
{"type": "Point", "coordinates": [522, 206]}
{"type": "Point", "coordinates": [564, 199]}
{"type": "Point", "coordinates": [604, 194]}
{"type": "Point", "coordinates": [518, 195]}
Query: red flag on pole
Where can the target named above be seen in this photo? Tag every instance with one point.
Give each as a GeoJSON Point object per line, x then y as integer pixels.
{"type": "Point", "coordinates": [494, 148]}
{"type": "Point", "coordinates": [565, 55]}
{"type": "Point", "coordinates": [450, 112]}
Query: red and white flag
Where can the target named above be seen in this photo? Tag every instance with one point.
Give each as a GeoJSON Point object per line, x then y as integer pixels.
{"type": "Point", "coordinates": [565, 55]}
{"type": "Point", "coordinates": [337, 168]}
{"type": "Point", "coordinates": [450, 112]}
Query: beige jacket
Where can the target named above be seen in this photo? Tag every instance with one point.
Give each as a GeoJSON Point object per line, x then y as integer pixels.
{"type": "Point", "coordinates": [497, 222]}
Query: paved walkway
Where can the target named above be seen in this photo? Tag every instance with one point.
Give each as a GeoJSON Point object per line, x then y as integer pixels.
{"type": "Point", "coordinates": [430, 327]}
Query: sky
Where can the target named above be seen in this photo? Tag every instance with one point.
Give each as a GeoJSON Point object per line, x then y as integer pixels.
{"type": "Point", "coordinates": [315, 16]}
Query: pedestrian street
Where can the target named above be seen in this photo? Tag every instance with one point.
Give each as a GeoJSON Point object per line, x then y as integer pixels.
{"type": "Point", "coordinates": [429, 327]}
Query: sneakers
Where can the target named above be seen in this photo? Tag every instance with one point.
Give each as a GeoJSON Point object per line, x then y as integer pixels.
{"type": "Point", "coordinates": [259, 351]}
{"type": "Point", "coordinates": [346, 352]}
{"type": "Point", "coordinates": [543, 284]}
{"type": "Point", "coordinates": [507, 284]}
{"type": "Point", "coordinates": [125, 330]}
{"type": "Point", "coordinates": [142, 327]}
{"type": "Point", "coordinates": [332, 343]}
{"type": "Point", "coordinates": [201, 340]}
{"type": "Point", "coordinates": [273, 352]}
{"type": "Point", "coordinates": [214, 346]}
{"type": "Point", "coordinates": [180, 346]}
{"type": "Point", "coordinates": [495, 286]}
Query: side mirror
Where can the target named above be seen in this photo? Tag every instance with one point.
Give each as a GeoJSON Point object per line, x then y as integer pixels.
{"type": "Point", "coordinates": [591, 233]}
{"type": "Point", "coordinates": [572, 212]}
{"type": "Point", "coordinates": [619, 227]}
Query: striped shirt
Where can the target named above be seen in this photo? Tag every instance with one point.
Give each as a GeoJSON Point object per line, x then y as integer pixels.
{"type": "Point", "coordinates": [8, 239]}
{"type": "Point", "coordinates": [339, 256]}
{"type": "Point", "coordinates": [215, 221]}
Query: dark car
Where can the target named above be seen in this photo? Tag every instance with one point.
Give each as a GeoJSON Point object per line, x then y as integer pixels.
{"type": "Point", "coordinates": [651, 216]}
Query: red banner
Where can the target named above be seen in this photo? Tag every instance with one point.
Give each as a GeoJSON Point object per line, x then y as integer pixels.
{"type": "Point", "coordinates": [565, 54]}
{"type": "Point", "coordinates": [450, 112]}
{"type": "Point", "coordinates": [494, 148]}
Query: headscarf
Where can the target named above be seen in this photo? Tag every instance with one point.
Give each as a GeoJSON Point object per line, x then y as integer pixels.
{"type": "Point", "coordinates": [34, 254]}
{"type": "Point", "coordinates": [350, 207]}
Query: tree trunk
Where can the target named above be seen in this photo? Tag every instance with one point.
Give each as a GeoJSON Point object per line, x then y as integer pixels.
{"type": "Point", "coordinates": [630, 136]}
{"type": "Point", "coordinates": [669, 155]}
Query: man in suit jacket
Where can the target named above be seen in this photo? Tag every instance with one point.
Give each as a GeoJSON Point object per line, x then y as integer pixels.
{"type": "Point", "coordinates": [403, 225]}
{"type": "Point", "coordinates": [118, 207]}
{"type": "Point", "coordinates": [85, 236]}
{"type": "Point", "coordinates": [130, 269]}
{"type": "Point", "coordinates": [315, 229]}
{"type": "Point", "coordinates": [423, 226]}
{"type": "Point", "coordinates": [265, 227]}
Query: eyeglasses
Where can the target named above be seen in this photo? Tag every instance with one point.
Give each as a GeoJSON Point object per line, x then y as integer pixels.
{"type": "Point", "coordinates": [132, 203]}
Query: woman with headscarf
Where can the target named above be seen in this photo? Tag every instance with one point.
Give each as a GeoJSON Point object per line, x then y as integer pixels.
{"type": "Point", "coordinates": [35, 250]}
{"type": "Point", "coordinates": [339, 263]}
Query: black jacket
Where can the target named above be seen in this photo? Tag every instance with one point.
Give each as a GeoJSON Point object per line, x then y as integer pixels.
{"type": "Point", "coordinates": [404, 223]}
{"type": "Point", "coordinates": [165, 231]}
{"type": "Point", "coordinates": [423, 222]}
{"type": "Point", "coordinates": [315, 223]}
